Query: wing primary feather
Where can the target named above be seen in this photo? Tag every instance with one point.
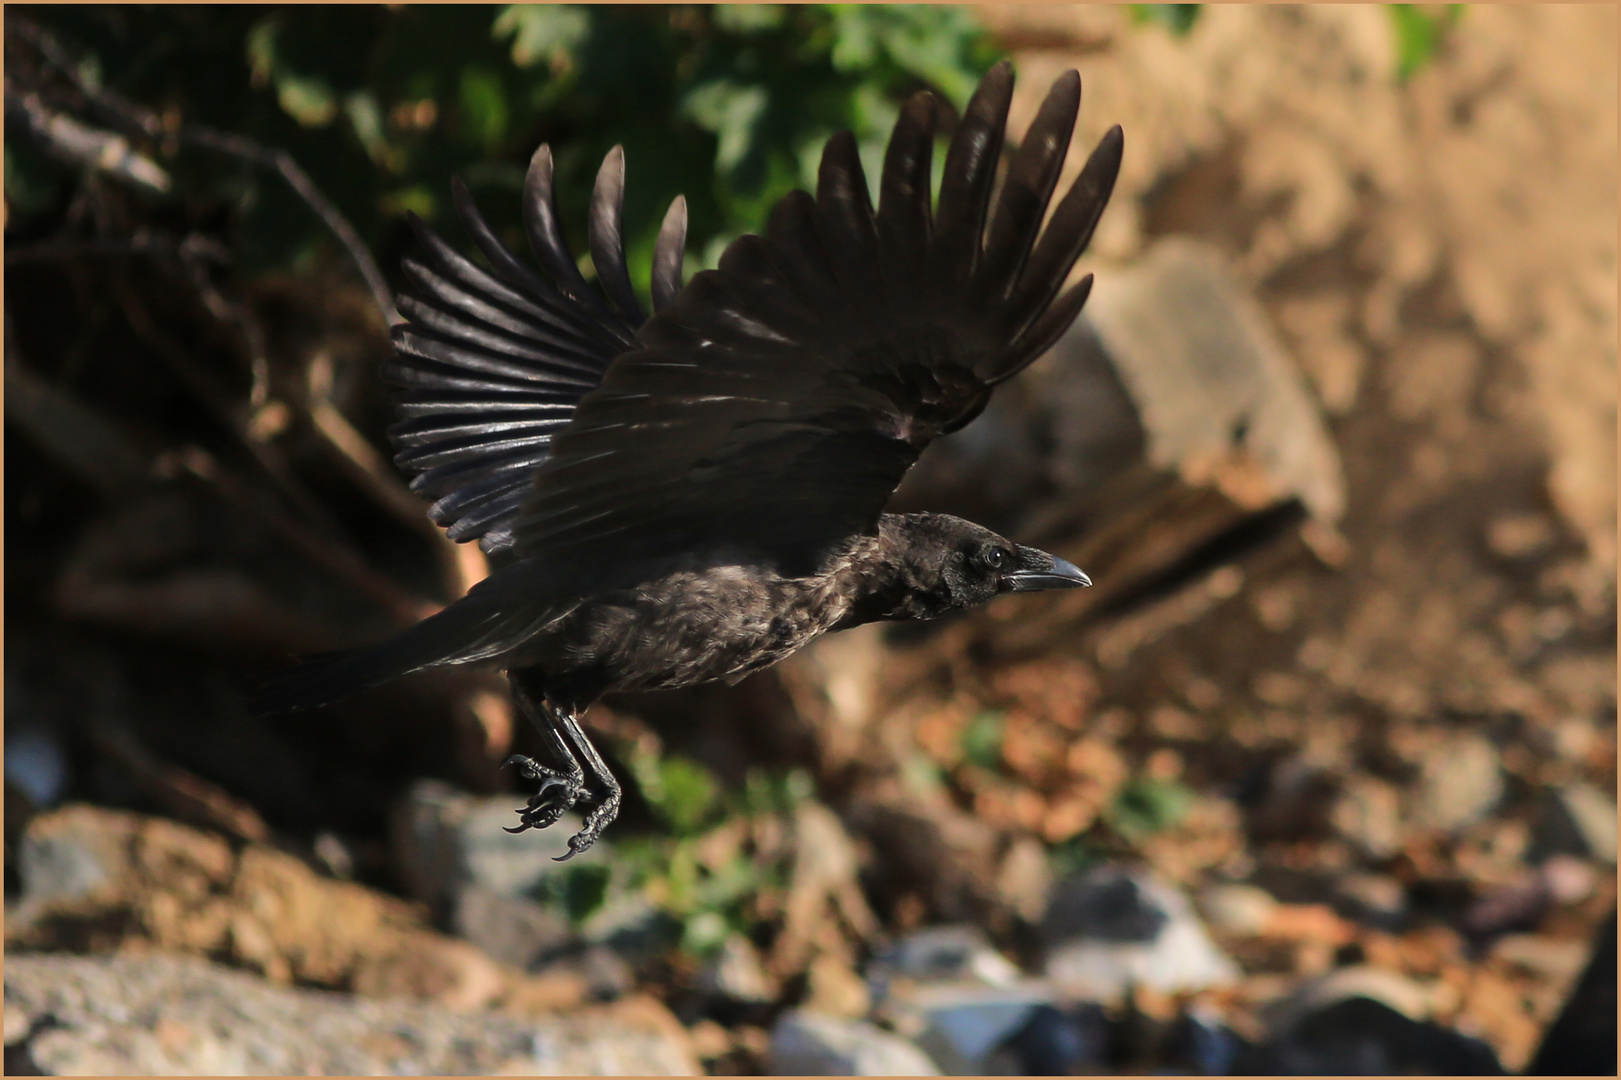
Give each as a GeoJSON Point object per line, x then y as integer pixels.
{"type": "Point", "coordinates": [1046, 331]}
{"type": "Point", "coordinates": [846, 210]}
{"type": "Point", "coordinates": [608, 238]}
{"type": "Point", "coordinates": [970, 171]}
{"type": "Point", "coordinates": [668, 254]}
{"type": "Point", "coordinates": [458, 268]}
{"type": "Point", "coordinates": [507, 265]}
{"type": "Point", "coordinates": [546, 236]}
{"type": "Point", "coordinates": [905, 220]}
{"type": "Point", "coordinates": [1067, 233]}
{"type": "Point", "coordinates": [1028, 186]}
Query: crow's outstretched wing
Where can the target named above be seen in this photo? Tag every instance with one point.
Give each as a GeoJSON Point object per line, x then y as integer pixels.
{"type": "Point", "coordinates": [775, 404]}
{"type": "Point", "coordinates": [490, 363]}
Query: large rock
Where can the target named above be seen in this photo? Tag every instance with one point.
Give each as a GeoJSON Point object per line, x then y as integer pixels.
{"type": "Point", "coordinates": [1114, 927]}
{"type": "Point", "coordinates": [164, 1015]}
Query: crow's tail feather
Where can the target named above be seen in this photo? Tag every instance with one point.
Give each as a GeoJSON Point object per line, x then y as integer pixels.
{"type": "Point", "coordinates": [472, 629]}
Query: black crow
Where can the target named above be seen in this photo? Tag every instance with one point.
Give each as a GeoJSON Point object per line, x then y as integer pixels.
{"type": "Point", "coordinates": [695, 495]}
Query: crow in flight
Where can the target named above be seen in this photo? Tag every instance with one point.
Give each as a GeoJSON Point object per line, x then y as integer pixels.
{"type": "Point", "coordinates": [696, 495]}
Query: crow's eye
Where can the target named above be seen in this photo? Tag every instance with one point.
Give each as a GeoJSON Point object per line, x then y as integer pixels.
{"type": "Point", "coordinates": [996, 558]}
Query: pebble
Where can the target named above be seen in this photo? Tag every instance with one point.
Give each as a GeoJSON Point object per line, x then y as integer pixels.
{"type": "Point", "coordinates": [1459, 783]}
{"type": "Point", "coordinates": [737, 973]}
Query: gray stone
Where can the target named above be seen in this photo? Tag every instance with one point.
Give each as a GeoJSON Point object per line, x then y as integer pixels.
{"type": "Point", "coordinates": [1113, 927]}
{"type": "Point", "coordinates": [808, 1044]}
{"type": "Point", "coordinates": [1459, 783]}
{"type": "Point", "coordinates": [163, 1015]}
{"type": "Point", "coordinates": [1578, 819]}
{"type": "Point", "coordinates": [72, 854]}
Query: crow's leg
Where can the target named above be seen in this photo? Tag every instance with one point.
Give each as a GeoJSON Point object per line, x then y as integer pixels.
{"type": "Point", "coordinates": [608, 806]}
{"type": "Point", "coordinates": [559, 791]}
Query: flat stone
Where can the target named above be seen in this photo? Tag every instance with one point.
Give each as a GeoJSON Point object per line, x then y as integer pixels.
{"type": "Point", "coordinates": [164, 1015]}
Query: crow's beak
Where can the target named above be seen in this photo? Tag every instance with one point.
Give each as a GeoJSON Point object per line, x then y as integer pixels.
{"type": "Point", "coordinates": [1039, 570]}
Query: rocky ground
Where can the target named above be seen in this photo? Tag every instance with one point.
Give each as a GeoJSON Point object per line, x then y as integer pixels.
{"type": "Point", "coordinates": [1320, 778]}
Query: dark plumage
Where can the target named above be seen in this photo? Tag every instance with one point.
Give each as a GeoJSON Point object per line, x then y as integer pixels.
{"type": "Point", "coordinates": [695, 495]}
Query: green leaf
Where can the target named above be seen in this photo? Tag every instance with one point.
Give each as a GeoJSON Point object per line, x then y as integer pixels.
{"type": "Point", "coordinates": [1177, 18]}
{"type": "Point", "coordinates": [982, 740]}
{"type": "Point", "coordinates": [366, 119]}
{"type": "Point", "coordinates": [542, 31]}
{"type": "Point", "coordinates": [730, 110]}
{"type": "Point", "coordinates": [1419, 31]}
{"type": "Point", "coordinates": [749, 18]}
{"type": "Point", "coordinates": [307, 99]}
{"type": "Point", "coordinates": [1144, 807]}
{"type": "Point", "coordinates": [483, 106]}
{"type": "Point", "coordinates": [585, 888]}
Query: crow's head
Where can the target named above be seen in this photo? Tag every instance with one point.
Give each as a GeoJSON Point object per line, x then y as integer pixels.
{"type": "Point", "coordinates": [943, 564]}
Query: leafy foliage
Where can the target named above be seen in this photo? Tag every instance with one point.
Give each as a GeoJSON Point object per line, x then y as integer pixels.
{"type": "Point", "coordinates": [1419, 30]}
{"type": "Point", "coordinates": [728, 105]}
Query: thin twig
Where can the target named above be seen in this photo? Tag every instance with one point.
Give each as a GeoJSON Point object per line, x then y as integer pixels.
{"type": "Point", "coordinates": [139, 120]}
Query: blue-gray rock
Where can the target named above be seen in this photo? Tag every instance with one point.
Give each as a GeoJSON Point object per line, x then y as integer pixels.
{"type": "Point", "coordinates": [809, 1044]}
{"type": "Point", "coordinates": [1055, 1042]}
{"type": "Point", "coordinates": [1114, 927]}
{"type": "Point", "coordinates": [963, 1025]}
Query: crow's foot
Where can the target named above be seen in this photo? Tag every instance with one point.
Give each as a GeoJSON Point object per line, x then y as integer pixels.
{"type": "Point", "coordinates": [595, 822]}
{"type": "Point", "coordinates": [557, 795]}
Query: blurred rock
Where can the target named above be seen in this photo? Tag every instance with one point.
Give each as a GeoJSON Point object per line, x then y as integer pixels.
{"type": "Point", "coordinates": [1367, 814]}
{"type": "Point", "coordinates": [804, 1043]}
{"type": "Point", "coordinates": [1521, 904]}
{"type": "Point", "coordinates": [1113, 927]}
{"type": "Point", "coordinates": [1054, 1042]}
{"type": "Point", "coordinates": [164, 1015]}
{"type": "Point", "coordinates": [1361, 1037]}
{"type": "Point", "coordinates": [1582, 1039]}
{"type": "Point", "coordinates": [832, 987]}
{"type": "Point", "coordinates": [1390, 989]}
{"type": "Point", "coordinates": [737, 973]}
{"type": "Point", "coordinates": [960, 1027]}
{"type": "Point", "coordinates": [1237, 908]}
{"type": "Point", "coordinates": [517, 932]}
{"type": "Point", "coordinates": [1201, 1043]}
{"type": "Point", "coordinates": [77, 853]}
{"type": "Point", "coordinates": [1372, 899]}
{"type": "Point", "coordinates": [947, 953]}
{"type": "Point", "coordinates": [1577, 819]}
{"type": "Point", "coordinates": [1459, 783]}
{"type": "Point", "coordinates": [443, 838]}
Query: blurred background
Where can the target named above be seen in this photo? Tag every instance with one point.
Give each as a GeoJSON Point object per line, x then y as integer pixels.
{"type": "Point", "coordinates": [1320, 777]}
